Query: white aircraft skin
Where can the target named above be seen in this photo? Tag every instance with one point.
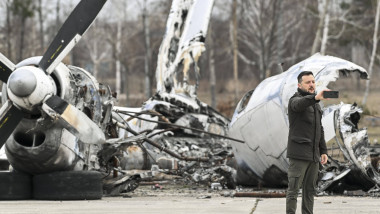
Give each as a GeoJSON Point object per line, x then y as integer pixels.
{"type": "Point", "coordinates": [261, 120]}
{"type": "Point", "coordinates": [183, 47]}
{"type": "Point", "coordinates": [40, 145]}
{"type": "Point", "coordinates": [2, 154]}
{"type": "Point", "coordinates": [51, 114]}
{"type": "Point", "coordinates": [43, 142]}
{"type": "Point", "coordinates": [56, 117]}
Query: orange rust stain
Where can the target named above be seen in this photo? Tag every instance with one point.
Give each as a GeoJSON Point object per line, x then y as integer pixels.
{"type": "Point", "coordinates": [70, 117]}
{"type": "Point", "coordinates": [133, 149]}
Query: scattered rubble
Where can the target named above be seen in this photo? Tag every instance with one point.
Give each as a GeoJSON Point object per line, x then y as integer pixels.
{"type": "Point", "coordinates": [358, 168]}
{"type": "Point", "coordinates": [185, 188]}
{"type": "Point", "coordinates": [174, 137]}
{"type": "Point", "coordinates": [150, 141]}
{"type": "Point", "coordinates": [177, 144]}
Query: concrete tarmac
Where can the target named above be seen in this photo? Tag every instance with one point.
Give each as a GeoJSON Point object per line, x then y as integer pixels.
{"type": "Point", "coordinates": [190, 205]}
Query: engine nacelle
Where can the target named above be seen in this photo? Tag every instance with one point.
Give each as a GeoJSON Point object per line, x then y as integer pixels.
{"type": "Point", "coordinates": [39, 144]}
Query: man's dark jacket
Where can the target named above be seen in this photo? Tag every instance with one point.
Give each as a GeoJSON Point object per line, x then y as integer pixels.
{"type": "Point", "coordinates": [306, 137]}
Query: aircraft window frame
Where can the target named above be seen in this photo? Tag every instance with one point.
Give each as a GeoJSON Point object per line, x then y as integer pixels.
{"type": "Point", "coordinates": [244, 101]}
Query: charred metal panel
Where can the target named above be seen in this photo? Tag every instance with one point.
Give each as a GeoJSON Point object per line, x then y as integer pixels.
{"type": "Point", "coordinates": [170, 44]}
{"type": "Point", "coordinates": [355, 142]}
{"type": "Point", "coordinates": [182, 45]}
{"type": "Point", "coordinates": [181, 124]}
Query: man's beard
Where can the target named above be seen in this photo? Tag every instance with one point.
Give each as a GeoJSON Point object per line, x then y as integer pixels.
{"type": "Point", "coordinates": [308, 90]}
{"type": "Point", "coordinates": [311, 90]}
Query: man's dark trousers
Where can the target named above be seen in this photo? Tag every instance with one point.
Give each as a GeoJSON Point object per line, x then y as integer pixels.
{"type": "Point", "coordinates": [305, 173]}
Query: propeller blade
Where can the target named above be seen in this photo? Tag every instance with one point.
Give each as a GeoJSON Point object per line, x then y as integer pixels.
{"type": "Point", "coordinates": [6, 68]}
{"type": "Point", "coordinates": [10, 117]}
{"type": "Point", "coordinates": [70, 33]}
{"type": "Point", "coordinates": [74, 120]}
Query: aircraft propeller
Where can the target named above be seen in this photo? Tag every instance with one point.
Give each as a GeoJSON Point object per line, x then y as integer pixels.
{"type": "Point", "coordinates": [29, 87]}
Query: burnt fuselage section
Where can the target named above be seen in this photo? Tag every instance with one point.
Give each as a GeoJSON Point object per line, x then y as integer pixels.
{"type": "Point", "coordinates": [261, 120]}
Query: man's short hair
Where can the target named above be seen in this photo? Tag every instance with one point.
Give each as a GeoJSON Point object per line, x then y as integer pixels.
{"type": "Point", "coordinates": [303, 73]}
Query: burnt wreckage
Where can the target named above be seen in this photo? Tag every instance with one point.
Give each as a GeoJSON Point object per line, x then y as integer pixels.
{"type": "Point", "coordinates": [174, 130]}
{"type": "Point", "coordinates": [261, 120]}
{"type": "Point", "coordinates": [51, 119]}
{"type": "Point", "coordinates": [62, 132]}
{"type": "Point", "coordinates": [175, 121]}
{"type": "Point", "coordinates": [61, 129]}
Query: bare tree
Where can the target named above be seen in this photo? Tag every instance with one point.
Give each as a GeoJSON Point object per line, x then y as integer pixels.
{"type": "Point", "coordinates": [374, 48]}
{"type": "Point", "coordinates": [280, 38]}
{"type": "Point", "coordinates": [211, 65]}
{"type": "Point", "coordinates": [148, 52]}
{"type": "Point", "coordinates": [322, 16]}
{"type": "Point", "coordinates": [235, 48]}
{"type": "Point", "coordinates": [269, 32]}
{"type": "Point", "coordinates": [115, 36]}
{"type": "Point", "coordinates": [118, 50]}
{"type": "Point", "coordinates": [260, 32]}
{"type": "Point", "coordinates": [335, 16]}
{"type": "Point", "coordinates": [9, 28]}
{"type": "Point", "coordinates": [41, 22]}
{"type": "Point", "coordinates": [325, 30]}
{"type": "Point", "coordinates": [24, 9]}
{"type": "Point", "coordinates": [98, 49]}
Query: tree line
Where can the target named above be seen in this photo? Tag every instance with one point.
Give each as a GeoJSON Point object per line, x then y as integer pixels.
{"type": "Point", "coordinates": [247, 39]}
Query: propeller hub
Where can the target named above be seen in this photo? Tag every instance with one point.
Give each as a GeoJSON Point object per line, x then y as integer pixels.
{"type": "Point", "coordinates": [22, 82]}
{"type": "Point", "coordinates": [28, 86]}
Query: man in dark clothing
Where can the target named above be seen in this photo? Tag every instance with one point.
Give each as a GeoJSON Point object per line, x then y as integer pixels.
{"type": "Point", "coordinates": [306, 143]}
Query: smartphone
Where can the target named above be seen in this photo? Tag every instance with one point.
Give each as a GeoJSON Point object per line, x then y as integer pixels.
{"type": "Point", "coordinates": [331, 94]}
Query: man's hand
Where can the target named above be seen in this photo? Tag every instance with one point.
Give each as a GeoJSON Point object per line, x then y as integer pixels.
{"type": "Point", "coordinates": [319, 96]}
{"type": "Point", "coordinates": [324, 159]}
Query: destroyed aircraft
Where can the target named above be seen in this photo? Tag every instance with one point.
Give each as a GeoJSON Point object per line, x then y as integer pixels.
{"type": "Point", "coordinates": [177, 121]}
{"type": "Point", "coordinates": [261, 121]}
{"type": "Point", "coordinates": [174, 130]}
{"type": "Point", "coordinates": [65, 135]}
{"type": "Point", "coordinates": [61, 130]}
{"type": "Point", "coordinates": [53, 118]}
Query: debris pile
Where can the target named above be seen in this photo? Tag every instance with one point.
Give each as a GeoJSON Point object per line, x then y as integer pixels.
{"type": "Point", "coordinates": [356, 167]}
{"type": "Point", "coordinates": [174, 137]}
{"type": "Point", "coordinates": [171, 135]}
